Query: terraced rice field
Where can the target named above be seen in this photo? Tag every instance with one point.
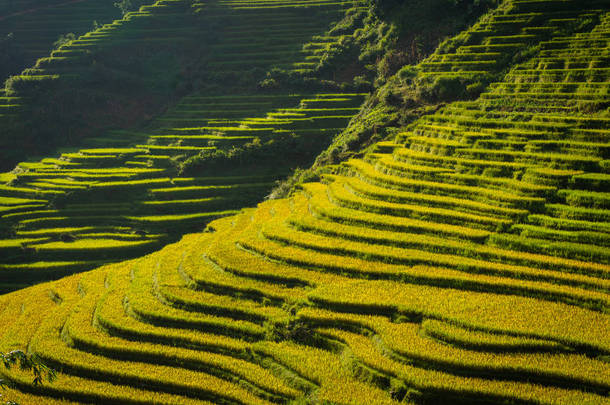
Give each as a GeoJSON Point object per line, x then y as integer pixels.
{"type": "Point", "coordinates": [76, 59]}
{"type": "Point", "coordinates": [110, 203]}
{"type": "Point", "coordinates": [465, 261]}
{"type": "Point", "coordinates": [223, 30]}
{"type": "Point", "coordinates": [506, 36]}
{"type": "Point", "coordinates": [121, 196]}
{"type": "Point", "coordinates": [280, 31]}
{"type": "Point", "coordinates": [36, 25]}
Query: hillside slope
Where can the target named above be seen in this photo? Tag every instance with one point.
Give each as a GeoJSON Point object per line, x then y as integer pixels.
{"type": "Point", "coordinates": [125, 195]}
{"type": "Point", "coordinates": [466, 260]}
{"type": "Point", "coordinates": [112, 77]}
{"type": "Point", "coordinates": [29, 29]}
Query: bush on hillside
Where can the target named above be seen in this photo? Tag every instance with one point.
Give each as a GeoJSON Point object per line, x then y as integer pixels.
{"type": "Point", "coordinates": [28, 85]}
{"type": "Point", "coordinates": [64, 40]}
{"type": "Point", "coordinates": [284, 148]}
{"type": "Point", "coordinates": [277, 79]}
{"type": "Point", "coordinates": [127, 6]}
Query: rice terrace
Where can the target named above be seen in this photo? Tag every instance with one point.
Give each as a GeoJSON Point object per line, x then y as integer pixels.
{"type": "Point", "coordinates": [305, 202]}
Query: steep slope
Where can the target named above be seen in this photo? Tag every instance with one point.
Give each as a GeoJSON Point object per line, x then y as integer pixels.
{"type": "Point", "coordinates": [111, 77]}
{"type": "Point", "coordinates": [124, 73]}
{"type": "Point", "coordinates": [30, 28]}
{"type": "Point", "coordinates": [123, 195]}
{"type": "Point", "coordinates": [465, 261]}
{"type": "Point", "coordinates": [111, 203]}
{"type": "Point", "coordinates": [460, 69]}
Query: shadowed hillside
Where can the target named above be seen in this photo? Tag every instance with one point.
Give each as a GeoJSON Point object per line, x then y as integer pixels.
{"type": "Point", "coordinates": [126, 193]}
{"type": "Point", "coordinates": [30, 29]}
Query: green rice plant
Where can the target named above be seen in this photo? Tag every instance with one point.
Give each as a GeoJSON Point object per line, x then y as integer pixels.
{"type": "Point", "coordinates": [586, 199]}
{"type": "Point", "coordinates": [147, 307]}
{"type": "Point", "coordinates": [569, 224]}
{"type": "Point", "coordinates": [570, 250]}
{"type": "Point", "coordinates": [583, 237]}
{"type": "Point", "coordinates": [11, 243]}
{"type": "Point", "coordinates": [207, 190]}
{"type": "Point", "coordinates": [343, 197]}
{"type": "Point", "coordinates": [4, 210]}
{"type": "Point", "coordinates": [176, 149]}
{"type": "Point", "coordinates": [354, 266]}
{"type": "Point", "coordinates": [367, 173]}
{"type": "Point", "coordinates": [60, 222]}
{"type": "Point", "coordinates": [20, 275]}
{"type": "Point", "coordinates": [7, 177]}
{"type": "Point", "coordinates": [485, 342]}
{"type": "Point", "coordinates": [325, 370]}
{"type": "Point", "coordinates": [30, 193]}
{"type": "Point", "coordinates": [386, 254]}
{"type": "Point", "coordinates": [592, 181]}
{"type": "Point", "coordinates": [323, 207]}
{"type": "Point", "coordinates": [131, 184]}
{"type": "Point", "coordinates": [113, 151]}
{"type": "Point", "coordinates": [550, 177]}
{"type": "Point", "coordinates": [183, 205]}
{"type": "Point", "coordinates": [436, 385]}
{"type": "Point", "coordinates": [557, 160]}
{"type": "Point", "coordinates": [186, 220]}
{"type": "Point", "coordinates": [55, 186]}
{"type": "Point", "coordinates": [389, 165]}
{"type": "Point", "coordinates": [310, 223]}
{"type": "Point", "coordinates": [579, 213]}
{"type": "Point", "coordinates": [94, 248]}
{"type": "Point", "coordinates": [571, 326]}
{"type": "Point", "coordinates": [520, 187]}
{"type": "Point", "coordinates": [458, 204]}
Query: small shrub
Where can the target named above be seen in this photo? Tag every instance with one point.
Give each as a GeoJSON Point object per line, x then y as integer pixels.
{"type": "Point", "coordinates": [448, 88]}
{"type": "Point", "coordinates": [64, 40]}
{"type": "Point", "coordinates": [30, 85]}
{"type": "Point", "coordinates": [407, 74]}
{"type": "Point", "coordinates": [127, 6]}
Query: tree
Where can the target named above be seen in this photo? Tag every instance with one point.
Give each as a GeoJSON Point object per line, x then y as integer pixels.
{"type": "Point", "coordinates": [63, 40]}
{"type": "Point", "coordinates": [25, 362]}
{"type": "Point", "coordinates": [127, 6]}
